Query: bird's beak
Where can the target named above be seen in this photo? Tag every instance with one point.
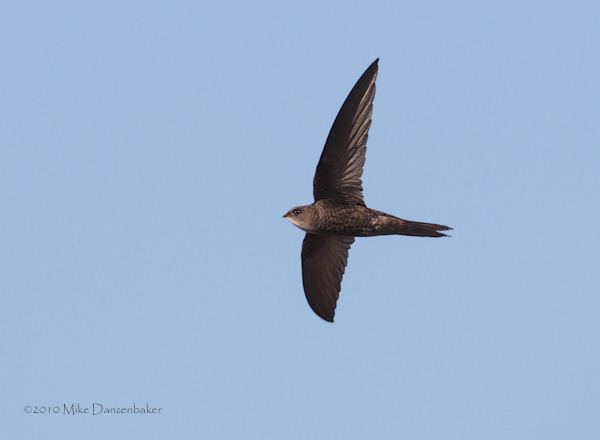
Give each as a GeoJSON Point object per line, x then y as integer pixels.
{"type": "Point", "coordinates": [285, 215]}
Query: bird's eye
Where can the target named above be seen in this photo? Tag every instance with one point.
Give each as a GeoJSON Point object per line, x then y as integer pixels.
{"type": "Point", "coordinates": [296, 211]}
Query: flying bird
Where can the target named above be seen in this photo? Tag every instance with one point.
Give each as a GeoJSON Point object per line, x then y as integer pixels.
{"type": "Point", "coordinates": [339, 213]}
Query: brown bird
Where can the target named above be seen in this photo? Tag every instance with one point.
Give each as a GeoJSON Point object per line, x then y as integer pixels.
{"type": "Point", "coordinates": [339, 212]}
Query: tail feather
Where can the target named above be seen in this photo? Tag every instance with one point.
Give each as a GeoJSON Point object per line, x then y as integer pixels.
{"type": "Point", "coordinates": [418, 229]}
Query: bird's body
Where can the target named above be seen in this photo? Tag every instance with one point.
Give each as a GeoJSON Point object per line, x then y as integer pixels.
{"type": "Point", "coordinates": [331, 217]}
{"type": "Point", "coordinates": [339, 212]}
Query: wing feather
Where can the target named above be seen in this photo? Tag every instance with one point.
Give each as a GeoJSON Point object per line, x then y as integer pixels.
{"type": "Point", "coordinates": [324, 259]}
{"type": "Point", "coordinates": [340, 168]}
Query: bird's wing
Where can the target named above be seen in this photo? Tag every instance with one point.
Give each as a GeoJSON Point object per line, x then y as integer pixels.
{"type": "Point", "coordinates": [324, 260]}
{"type": "Point", "coordinates": [341, 164]}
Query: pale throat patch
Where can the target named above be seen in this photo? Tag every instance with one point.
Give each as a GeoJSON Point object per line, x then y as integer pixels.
{"type": "Point", "coordinates": [295, 222]}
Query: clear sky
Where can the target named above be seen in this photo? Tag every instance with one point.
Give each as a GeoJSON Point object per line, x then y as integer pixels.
{"type": "Point", "coordinates": [149, 149]}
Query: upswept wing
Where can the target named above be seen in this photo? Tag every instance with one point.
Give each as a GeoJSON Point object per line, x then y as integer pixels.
{"type": "Point", "coordinates": [338, 174]}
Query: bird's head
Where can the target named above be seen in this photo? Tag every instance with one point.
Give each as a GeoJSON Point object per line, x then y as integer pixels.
{"type": "Point", "coordinates": [299, 216]}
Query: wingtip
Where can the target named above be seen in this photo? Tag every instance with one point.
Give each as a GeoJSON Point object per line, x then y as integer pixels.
{"type": "Point", "coordinates": [324, 316]}
{"type": "Point", "coordinates": [371, 70]}
{"type": "Point", "coordinates": [327, 318]}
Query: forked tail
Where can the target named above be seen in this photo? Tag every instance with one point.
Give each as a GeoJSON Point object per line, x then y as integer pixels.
{"type": "Point", "coordinates": [418, 229]}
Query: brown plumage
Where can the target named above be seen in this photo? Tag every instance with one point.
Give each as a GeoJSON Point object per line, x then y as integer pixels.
{"type": "Point", "coordinates": [339, 212]}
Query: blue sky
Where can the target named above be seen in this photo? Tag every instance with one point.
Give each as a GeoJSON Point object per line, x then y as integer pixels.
{"type": "Point", "coordinates": [149, 149]}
